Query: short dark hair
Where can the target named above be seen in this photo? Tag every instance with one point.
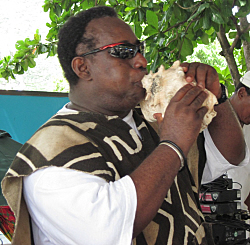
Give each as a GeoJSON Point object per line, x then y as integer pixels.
{"type": "Point", "coordinates": [241, 85]}
{"type": "Point", "coordinates": [71, 34]}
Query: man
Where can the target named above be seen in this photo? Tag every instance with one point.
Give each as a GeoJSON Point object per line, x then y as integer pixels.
{"type": "Point", "coordinates": [96, 172]}
{"type": "Point", "coordinates": [240, 101]}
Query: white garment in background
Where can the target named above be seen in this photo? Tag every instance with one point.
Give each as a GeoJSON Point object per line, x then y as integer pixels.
{"type": "Point", "coordinates": [216, 164]}
{"type": "Point", "coordinates": [242, 175]}
{"type": "Point", "coordinates": [70, 207]}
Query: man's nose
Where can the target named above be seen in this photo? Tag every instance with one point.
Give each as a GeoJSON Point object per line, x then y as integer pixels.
{"type": "Point", "coordinates": [139, 61]}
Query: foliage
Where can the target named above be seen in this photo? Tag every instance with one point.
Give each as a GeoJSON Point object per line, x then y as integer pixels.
{"type": "Point", "coordinates": [172, 29]}
{"type": "Point", "coordinates": [61, 85]}
{"type": "Point", "coordinates": [208, 54]}
{"type": "Point", "coordinates": [24, 58]}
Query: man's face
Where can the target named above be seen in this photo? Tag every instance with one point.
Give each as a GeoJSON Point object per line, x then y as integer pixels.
{"type": "Point", "coordinates": [115, 84]}
{"type": "Point", "coordinates": [244, 114]}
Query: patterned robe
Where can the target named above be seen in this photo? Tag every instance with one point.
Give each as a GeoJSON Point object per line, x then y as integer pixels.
{"type": "Point", "coordinates": [107, 147]}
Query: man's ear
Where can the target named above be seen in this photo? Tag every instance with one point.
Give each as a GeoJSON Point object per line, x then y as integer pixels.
{"type": "Point", "coordinates": [241, 92]}
{"type": "Point", "coordinates": [80, 67]}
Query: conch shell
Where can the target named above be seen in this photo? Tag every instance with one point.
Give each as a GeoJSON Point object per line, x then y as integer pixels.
{"type": "Point", "coordinates": [162, 86]}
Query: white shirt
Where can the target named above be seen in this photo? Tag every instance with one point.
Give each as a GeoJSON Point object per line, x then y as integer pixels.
{"type": "Point", "coordinates": [216, 164]}
{"type": "Point", "coordinates": [241, 176]}
{"type": "Point", "coordinates": [70, 207]}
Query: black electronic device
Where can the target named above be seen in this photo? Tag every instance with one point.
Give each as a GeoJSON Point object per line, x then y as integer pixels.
{"type": "Point", "coordinates": [224, 234]}
{"type": "Point", "coordinates": [220, 208]}
{"type": "Point", "coordinates": [220, 196]}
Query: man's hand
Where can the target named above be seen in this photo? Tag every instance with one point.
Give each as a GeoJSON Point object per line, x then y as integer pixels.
{"type": "Point", "coordinates": [205, 76]}
{"type": "Point", "coordinates": [183, 117]}
{"type": "Point", "coordinates": [228, 136]}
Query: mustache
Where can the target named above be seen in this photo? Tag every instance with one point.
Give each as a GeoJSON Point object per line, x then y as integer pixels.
{"type": "Point", "coordinates": [144, 70]}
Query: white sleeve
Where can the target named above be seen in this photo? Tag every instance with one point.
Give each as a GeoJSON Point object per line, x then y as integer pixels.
{"type": "Point", "coordinates": [70, 207]}
{"type": "Point", "coordinates": [216, 165]}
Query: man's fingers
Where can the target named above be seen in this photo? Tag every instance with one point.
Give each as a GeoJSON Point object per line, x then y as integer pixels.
{"type": "Point", "coordinates": [190, 94]}
{"type": "Point", "coordinates": [182, 92]}
{"type": "Point", "coordinates": [201, 75]}
{"type": "Point", "coordinates": [204, 75]}
{"type": "Point", "coordinates": [198, 100]}
{"type": "Point", "coordinates": [202, 112]}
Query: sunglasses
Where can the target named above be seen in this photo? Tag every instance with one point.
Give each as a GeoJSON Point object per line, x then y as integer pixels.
{"type": "Point", "coordinates": [121, 50]}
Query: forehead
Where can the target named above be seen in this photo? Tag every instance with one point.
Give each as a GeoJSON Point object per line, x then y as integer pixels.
{"type": "Point", "coordinates": [108, 30]}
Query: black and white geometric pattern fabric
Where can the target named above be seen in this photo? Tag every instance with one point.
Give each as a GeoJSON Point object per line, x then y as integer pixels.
{"type": "Point", "coordinates": [107, 147]}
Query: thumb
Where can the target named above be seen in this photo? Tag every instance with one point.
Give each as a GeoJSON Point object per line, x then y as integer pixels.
{"type": "Point", "coordinates": [158, 117]}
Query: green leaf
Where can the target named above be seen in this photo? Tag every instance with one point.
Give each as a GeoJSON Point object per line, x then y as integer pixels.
{"type": "Point", "coordinates": [216, 26]}
{"type": "Point", "coordinates": [187, 47]}
{"type": "Point", "coordinates": [52, 15]}
{"type": "Point", "coordinates": [205, 38]}
{"type": "Point", "coordinates": [141, 15]}
{"type": "Point", "coordinates": [19, 54]}
{"type": "Point", "coordinates": [207, 19]}
{"type": "Point", "coordinates": [7, 58]}
{"type": "Point", "coordinates": [176, 10]}
{"type": "Point", "coordinates": [37, 37]}
{"type": "Point", "coordinates": [46, 7]}
{"type": "Point", "coordinates": [31, 62]}
{"type": "Point", "coordinates": [145, 3]}
{"type": "Point", "coordinates": [232, 34]}
{"type": "Point", "coordinates": [12, 75]}
{"type": "Point", "coordinates": [190, 34]}
{"type": "Point", "coordinates": [153, 67]}
{"type": "Point", "coordinates": [165, 7]}
{"type": "Point", "coordinates": [112, 2]}
{"type": "Point", "coordinates": [149, 31]}
{"type": "Point", "coordinates": [225, 72]}
{"type": "Point", "coordinates": [242, 2]}
{"type": "Point", "coordinates": [25, 64]}
{"type": "Point", "coordinates": [5, 75]}
{"type": "Point", "coordinates": [20, 45]}
{"type": "Point", "coordinates": [210, 31]}
{"type": "Point", "coordinates": [128, 9]}
{"type": "Point", "coordinates": [197, 25]}
{"type": "Point", "coordinates": [242, 12]}
{"type": "Point", "coordinates": [138, 30]}
{"type": "Point", "coordinates": [18, 67]}
{"type": "Point", "coordinates": [57, 10]}
{"type": "Point", "coordinates": [152, 18]}
{"type": "Point", "coordinates": [216, 16]}
{"type": "Point", "coordinates": [199, 10]}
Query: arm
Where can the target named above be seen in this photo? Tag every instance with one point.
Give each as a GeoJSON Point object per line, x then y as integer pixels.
{"type": "Point", "coordinates": [154, 177]}
{"type": "Point", "coordinates": [226, 133]}
{"type": "Point", "coordinates": [225, 128]}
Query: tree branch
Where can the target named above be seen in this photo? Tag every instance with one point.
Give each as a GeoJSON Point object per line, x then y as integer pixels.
{"type": "Point", "coordinates": [188, 7]}
{"type": "Point", "coordinates": [227, 52]}
{"type": "Point", "coordinates": [239, 33]}
{"type": "Point", "coordinates": [180, 23]}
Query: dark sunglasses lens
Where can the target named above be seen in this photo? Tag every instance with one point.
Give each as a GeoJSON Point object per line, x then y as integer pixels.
{"type": "Point", "coordinates": [126, 51]}
{"type": "Point", "coordinates": [121, 51]}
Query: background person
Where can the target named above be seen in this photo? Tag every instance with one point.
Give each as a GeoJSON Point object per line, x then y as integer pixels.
{"type": "Point", "coordinates": [240, 101]}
